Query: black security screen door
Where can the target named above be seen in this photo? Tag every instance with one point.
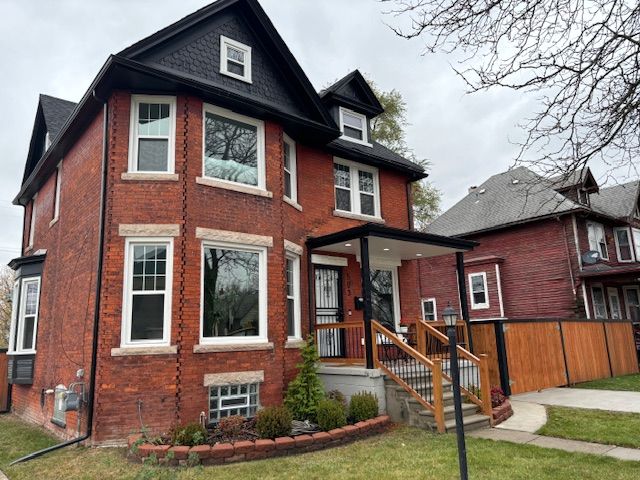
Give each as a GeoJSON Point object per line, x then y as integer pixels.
{"type": "Point", "coordinates": [329, 310]}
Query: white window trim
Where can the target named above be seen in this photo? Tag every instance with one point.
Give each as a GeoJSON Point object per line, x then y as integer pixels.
{"type": "Point", "coordinates": [435, 310]}
{"type": "Point", "coordinates": [365, 133]}
{"type": "Point", "coordinates": [14, 315]}
{"type": "Point", "coordinates": [262, 338]}
{"type": "Point", "coordinates": [225, 42]}
{"type": "Point", "coordinates": [611, 293]}
{"type": "Point", "coordinates": [136, 100]}
{"type": "Point", "coordinates": [604, 300]}
{"type": "Point", "coordinates": [631, 244]}
{"type": "Point", "coordinates": [17, 337]}
{"type": "Point", "coordinates": [260, 147]}
{"type": "Point", "coordinates": [127, 293]}
{"type": "Point", "coordinates": [474, 305]}
{"type": "Point", "coordinates": [293, 167]}
{"type": "Point", "coordinates": [354, 191]}
{"type": "Point", "coordinates": [56, 199]}
{"type": "Point", "coordinates": [297, 314]}
{"type": "Point", "coordinates": [625, 289]}
{"type": "Point", "coordinates": [635, 240]}
{"type": "Point", "coordinates": [32, 221]}
{"type": "Point", "coordinates": [604, 236]}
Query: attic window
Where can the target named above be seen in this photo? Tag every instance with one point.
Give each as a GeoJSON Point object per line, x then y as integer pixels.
{"type": "Point", "coordinates": [353, 126]}
{"type": "Point", "coordinates": [235, 59]}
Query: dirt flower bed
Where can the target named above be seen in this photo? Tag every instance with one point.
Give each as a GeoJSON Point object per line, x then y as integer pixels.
{"type": "Point", "coordinates": [242, 450]}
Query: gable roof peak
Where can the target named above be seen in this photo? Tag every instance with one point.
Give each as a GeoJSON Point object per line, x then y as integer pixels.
{"type": "Point", "coordinates": [353, 91]}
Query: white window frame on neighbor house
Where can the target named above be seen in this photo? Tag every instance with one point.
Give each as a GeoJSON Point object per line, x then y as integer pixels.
{"type": "Point", "coordinates": [297, 315]}
{"type": "Point", "coordinates": [56, 197]}
{"type": "Point", "coordinates": [431, 300]}
{"type": "Point", "coordinates": [354, 190]}
{"type": "Point", "coordinates": [293, 167]}
{"type": "Point", "coordinates": [485, 304]}
{"type": "Point", "coordinates": [363, 123]}
{"type": "Point", "coordinates": [128, 293]}
{"type": "Point", "coordinates": [616, 231]}
{"type": "Point", "coordinates": [595, 234]}
{"type": "Point", "coordinates": [615, 308]}
{"type": "Point", "coordinates": [260, 188]}
{"type": "Point", "coordinates": [225, 43]}
{"type": "Point", "coordinates": [262, 337]}
{"type": "Point", "coordinates": [597, 315]}
{"type": "Point", "coordinates": [635, 238]}
{"type": "Point", "coordinates": [18, 318]}
{"type": "Point", "coordinates": [134, 137]}
{"type": "Point", "coordinates": [32, 221]}
{"type": "Point", "coordinates": [625, 289]}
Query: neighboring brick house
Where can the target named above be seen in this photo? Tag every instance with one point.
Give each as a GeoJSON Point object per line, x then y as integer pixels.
{"type": "Point", "coordinates": [167, 216]}
{"type": "Point", "coordinates": [533, 259]}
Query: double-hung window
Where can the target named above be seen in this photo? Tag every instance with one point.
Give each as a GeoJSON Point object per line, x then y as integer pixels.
{"type": "Point", "coordinates": [478, 289]}
{"type": "Point", "coordinates": [152, 134]}
{"type": "Point", "coordinates": [597, 239]}
{"type": "Point", "coordinates": [25, 318]}
{"type": "Point", "coordinates": [290, 169]}
{"type": "Point", "coordinates": [292, 267]}
{"type": "Point", "coordinates": [599, 303]}
{"type": "Point", "coordinates": [234, 294]}
{"type": "Point", "coordinates": [429, 311]}
{"type": "Point", "coordinates": [353, 126]}
{"type": "Point", "coordinates": [635, 233]}
{"type": "Point", "coordinates": [233, 147]}
{"type": "Point", "coordinates": [356, 188]}
{"type": "Point", "coordinates": [235, 59]}
{"type": "Point", "coordinates": [624, 246]}
{"type": "Point", "coordinates": [147, 292]}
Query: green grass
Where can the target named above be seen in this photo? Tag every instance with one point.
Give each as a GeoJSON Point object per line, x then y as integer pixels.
{"type": "Point", "coordinates": [627, 383]}
{"type": "Point", "coordinates": [599, 426]}
{"type": "Point", "coordinates": [400, 454]}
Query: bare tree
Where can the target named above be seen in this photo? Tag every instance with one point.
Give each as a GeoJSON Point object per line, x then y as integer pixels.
{"type": "Point", "coordinates": [581, 57]}
{"type": "Point", "coordinates": [6, 301]}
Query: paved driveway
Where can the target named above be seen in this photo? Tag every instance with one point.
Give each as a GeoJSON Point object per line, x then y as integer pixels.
{"type": "Point", "coordinates": [584, 398]}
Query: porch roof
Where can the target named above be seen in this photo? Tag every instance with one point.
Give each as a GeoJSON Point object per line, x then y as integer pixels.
{"type": "Point", "coordinates": [391, 243]}
{"type": "Point", "coordinates": [603, 270]}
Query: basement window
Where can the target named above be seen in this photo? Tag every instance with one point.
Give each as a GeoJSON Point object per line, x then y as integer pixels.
{"type": "Point", "coordinates": [235, 59]}
{"type": "Point", "coordinates": [478, 289]}
{"type": "Point", "coordinates": [229, 400]}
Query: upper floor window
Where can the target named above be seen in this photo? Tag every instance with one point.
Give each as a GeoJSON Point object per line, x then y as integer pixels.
{"type": "Point", "coordinates": [597, 239]}
{"type": "Point", "coordinates": [235, 59]}
{"type": "Point", "coordinates": [290, 169]}
{"type": "Point", "coordinates": [429, 311]}
{"type": "Point", "coordinates": [624, 248]}
{"type": "Point", "coordinates": [152, 134]}
{"type": "Point", "coordinates": [478, 288]}
{"type": "Point", "coordinates": [635, 233]}
{"type": "Point", "coordinates": [233, 147]}
{"type": "Point", "coordinates": [24, 326]}
{"type": "Point", "coordinates": [353, 126]}
{"type": "Point", "coordinates": [356, 188]}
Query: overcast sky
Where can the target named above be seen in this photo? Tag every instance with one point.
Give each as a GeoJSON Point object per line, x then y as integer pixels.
{"type": "Point", "coordinates": [57, 47]}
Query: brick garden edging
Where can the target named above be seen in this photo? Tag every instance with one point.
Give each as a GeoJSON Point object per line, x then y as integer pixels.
{"type": "Point", "coordinates": [245, 450]}
{"type": "Point", "coordinates": [502, 412]}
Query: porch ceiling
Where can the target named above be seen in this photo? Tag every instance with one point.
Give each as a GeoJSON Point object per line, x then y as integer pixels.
{"type": "Point", "coordinates": [389, 243]}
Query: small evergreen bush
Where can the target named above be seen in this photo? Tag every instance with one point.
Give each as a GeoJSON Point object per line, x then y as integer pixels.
{"type": "Point", "coordinates": [331, 414]}
{"type": "Point", "coordinates": [363, 406]}
{"type": "Point", "coordinates": [273, 422]}
{"type": "Point", "coordinates": [305, 391]}
{"type": "Point", "coordinates": [189, 435]}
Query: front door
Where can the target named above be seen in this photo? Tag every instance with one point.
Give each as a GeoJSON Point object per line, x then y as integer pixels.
{"type": "Point", "coordinates": [328, 295]}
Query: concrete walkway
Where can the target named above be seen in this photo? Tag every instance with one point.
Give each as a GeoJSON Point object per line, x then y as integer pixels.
{"type": "Point", "coordinates": [3, 476]}
{"type": "Point", "coordinates": [527, 417]}
{"type": "Point", "coordinates": [614, 401]}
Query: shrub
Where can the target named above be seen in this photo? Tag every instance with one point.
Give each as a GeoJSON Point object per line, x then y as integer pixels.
{"type": "Point", "coordinates": [363, 406]}
{"type": "Point", "coordinates": [337, 395]}
{"type": "Point", "coordinates": [305, 391]}
{"type": "Point", "coordinates": [273, 422]}
{"type": "Point", "coordinates": [331, 414]}
{"type": "Point", "coordinates": [231, 426]}
{"type": "Point", "coordinates": [497, 397]}
{"type": "Point", "coordinates": [189, 435]}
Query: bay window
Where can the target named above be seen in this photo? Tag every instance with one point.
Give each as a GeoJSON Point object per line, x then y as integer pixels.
{"type": "Point", "coordinates": [356, 188]}
{"type": "Point", "coordinates": [597, 239]}
{"type": "Point", "coordinates": [24, 328]}
{"type": "Point", "coordinates": [152, 134]}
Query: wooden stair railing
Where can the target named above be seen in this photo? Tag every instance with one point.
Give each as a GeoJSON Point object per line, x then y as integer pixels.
{"type": "Point", "coordinates": [433, 344]}
{"type": "Point", "coordinates": [419, 376]}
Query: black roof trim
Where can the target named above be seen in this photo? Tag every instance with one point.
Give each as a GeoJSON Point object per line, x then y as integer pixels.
{"type": "Point", "coordinates": [376, 230]}
{"type": "Point", "coordinates": [18, 262]}
{"type": "Point", "coordinates": [333, 94]}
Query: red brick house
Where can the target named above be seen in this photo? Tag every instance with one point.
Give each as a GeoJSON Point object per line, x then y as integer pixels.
{"type": "Point", "coordinates": [188, 221]}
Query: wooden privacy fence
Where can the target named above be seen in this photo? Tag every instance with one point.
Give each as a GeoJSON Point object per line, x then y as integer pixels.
{"type": "Point", "coordinates": [527, 355]}
{"type": "Point", "coordinates": [4, 384]}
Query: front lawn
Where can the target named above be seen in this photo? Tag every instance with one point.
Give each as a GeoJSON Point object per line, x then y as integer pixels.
{"type": "Point", "coordinates": [599, 426]}
{"type": "Point", "coordinates": [627, 383]}
{"type": "Point", "coordinates": [400, 454]}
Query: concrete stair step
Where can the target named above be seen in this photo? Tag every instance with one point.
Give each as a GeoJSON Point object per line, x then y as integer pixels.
{"type": "Point", "coordinates": [468, 409]}
{"type": "Point", "coordinates": [471, 422]}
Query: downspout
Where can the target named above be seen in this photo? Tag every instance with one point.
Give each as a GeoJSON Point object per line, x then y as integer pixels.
{"type": "Point", "coordinates": [96, 316]}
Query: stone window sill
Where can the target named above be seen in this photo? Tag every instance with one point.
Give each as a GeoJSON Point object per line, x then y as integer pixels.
{"type": "Point", "coordinates": [156, 177]}
{"type": "Point", "coordinates": [294, 343]}
{"type": "Point", "coordinates": [138, 351]}
{"type": "Point", "coordinates": [357, 216]}
{"type": "Point", "coordinates": [231, 347]}
{"type": "Point", "coordinates": [212, 182]}
{"type": "Point", "coordinates": [293, 203]}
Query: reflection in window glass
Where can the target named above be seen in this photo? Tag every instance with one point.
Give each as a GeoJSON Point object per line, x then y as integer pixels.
{"type": "Point", "coordinates": [382, 298]}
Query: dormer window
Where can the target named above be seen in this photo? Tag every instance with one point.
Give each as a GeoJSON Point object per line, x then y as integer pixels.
{"type": "Point", "coordinates": [353, 126]}
{"type": "Point", "coordinates": [235, 59]}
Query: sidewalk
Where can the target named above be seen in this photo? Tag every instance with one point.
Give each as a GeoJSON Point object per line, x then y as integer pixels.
{"type": "Point", "coordinates": [614, 401]}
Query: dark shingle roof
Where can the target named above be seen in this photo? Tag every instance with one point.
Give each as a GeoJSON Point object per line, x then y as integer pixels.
{"type": "Point", "coordinates": [512, 197]}
{"type": "Point", "coordinates": [618, 201]}
{"type": "Point", "coordinates": [56, 111]}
